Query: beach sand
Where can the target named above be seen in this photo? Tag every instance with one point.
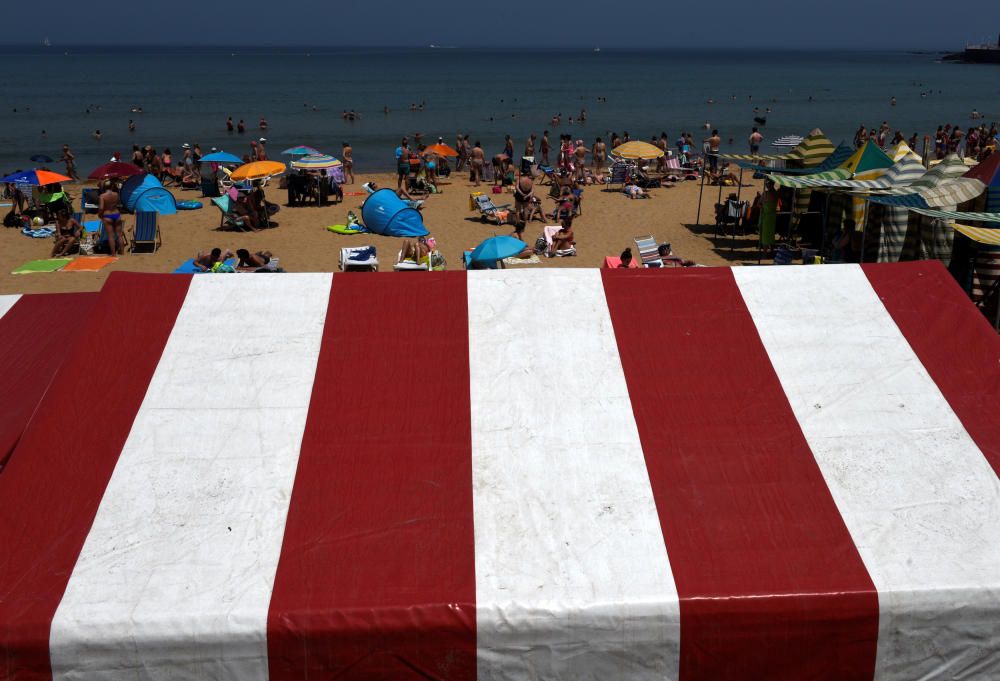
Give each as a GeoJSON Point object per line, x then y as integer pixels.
{"type": "Point", "coordinates": [607, 226]}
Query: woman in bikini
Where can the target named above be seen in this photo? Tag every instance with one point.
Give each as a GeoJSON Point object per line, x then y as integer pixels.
{"type": "Point", "coordinates": [67, 234]}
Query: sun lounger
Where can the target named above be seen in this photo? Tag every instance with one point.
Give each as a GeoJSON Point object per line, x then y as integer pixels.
{"type": "Point", "coordinates": [358, 259]}
{"type": "Point", "coordinates": [146, 232]}
{"type": "Point", "coordinates": [648, 251]}
{"type": "Point", "coordinates": [489, 210]}
{"type": "Point", "coordinates": [409, 265]}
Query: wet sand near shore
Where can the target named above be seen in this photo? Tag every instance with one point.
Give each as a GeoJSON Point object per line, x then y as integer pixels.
{"type": "Point", "coordinates": [607, 225]}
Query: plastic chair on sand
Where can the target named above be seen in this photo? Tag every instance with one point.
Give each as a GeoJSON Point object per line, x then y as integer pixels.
{"type": "Point", "coordinates": [489, 210]}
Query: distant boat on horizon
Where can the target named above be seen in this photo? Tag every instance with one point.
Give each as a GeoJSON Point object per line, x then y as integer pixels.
{"type": "Point", "coordinates": [47, 42]}
{"type": "Point", "coordinates": [597, 49]}
{"type": "Point", "coordinates": [441, 47]}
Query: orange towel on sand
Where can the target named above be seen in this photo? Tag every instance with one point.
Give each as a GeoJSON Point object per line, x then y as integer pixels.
{"type": "Point", "coordinates": [89, 264]}
{"type": "Point", "coordinates": [613, 261]}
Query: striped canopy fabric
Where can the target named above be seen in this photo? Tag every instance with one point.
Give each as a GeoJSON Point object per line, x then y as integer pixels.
{"type": "Point", "coordinates": [958, 215]}
{"type": "Point", "coordinates": [902, 150]}
{"type": "Point", "coordinates": [899, 174]}
{"type": "Point", "coordinates": [315, 476]}
{"type": "Point", "coordinates": [809, 152]}
{"type": "Point", "coordinates": [981, 235]}
{"type": "Point", "coordinates": [988, 172]}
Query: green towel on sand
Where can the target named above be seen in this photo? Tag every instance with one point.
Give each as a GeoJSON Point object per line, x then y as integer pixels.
{"type": "Point", "coordinates": [42, 266]}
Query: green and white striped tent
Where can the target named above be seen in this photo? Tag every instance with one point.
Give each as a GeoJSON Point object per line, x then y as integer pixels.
{"type": "Point", "coordinates": [893, 234]}
{"type": "Point", "coordinates": [899, 175]}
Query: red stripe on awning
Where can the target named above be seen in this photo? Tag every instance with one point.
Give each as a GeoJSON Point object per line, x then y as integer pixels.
{"type": "Point", "coordinates": [35, 335]}
{"type": "Point", "coordinates": [770, 582]}
{"type": "Point", "coordinates": [50, 491]}
{"type": "Point", "coordinates": [954, 342]}
{"type": "Point", "coordinates": [377, 571]}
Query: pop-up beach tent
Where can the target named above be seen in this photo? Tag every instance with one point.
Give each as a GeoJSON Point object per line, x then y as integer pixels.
{"type": "Point", "coordinates": [146, 193]}
{"type": "Point", "coordinates": [287, 492]}
{"type": "Point", "coordinates": [988, 172]}
{"type": "Point", "coordinates": [383, 212]}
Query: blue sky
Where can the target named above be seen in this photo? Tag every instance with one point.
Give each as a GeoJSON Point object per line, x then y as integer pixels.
{"type": "Point", "coordinates": [800, 24]}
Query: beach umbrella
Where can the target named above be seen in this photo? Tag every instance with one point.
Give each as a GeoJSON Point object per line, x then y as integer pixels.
{"type": "Point", "coordinates": [302, 150]}
{"type": "Point", "coordinates": [115, 169]}
{"type": "Point", "coordinates": [315, 162]}
{"type": "Point", "coordinates": [41, 158]}
{"type": "Point", "coordinates": [638, 150]}
{"type": "Point", "coordinates": [441, 149]}
{"type": "Point", "coordinates": [788, 141]}
{"type": "Point", "coordinates": [221, 157]}
{"type": "Point", "coordinates": [258, 170]}
{"type": "Point", "coordinates": [497, 248]}
{"type": "Point", "coordinates": [38, 178]}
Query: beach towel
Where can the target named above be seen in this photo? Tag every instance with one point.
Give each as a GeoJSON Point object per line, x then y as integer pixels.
{"type": "Point", "coordinates": [40, 233]}
{"type": "Point", "coordinates": [92, 226]}
{"type": "Point", "coordinates": [188, 267]}
{"type": "Point", "coordinates": [89, 264]}
{"type": "Point", "coordinates": [50, 265]}
{"type": "Point", "coordinates": [533, 260]}
{"type": "Point", "coordinates": [189, 205]}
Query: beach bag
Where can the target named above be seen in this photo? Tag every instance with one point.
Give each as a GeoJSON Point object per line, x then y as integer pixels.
{"type": "Point", "coordinates": [541, 245]}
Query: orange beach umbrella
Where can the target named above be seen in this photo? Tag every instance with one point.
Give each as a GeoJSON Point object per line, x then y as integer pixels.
{"type": "Point", "coordinates": [258, 170]}
{"type": "Point", "coordinates": [441, 149]}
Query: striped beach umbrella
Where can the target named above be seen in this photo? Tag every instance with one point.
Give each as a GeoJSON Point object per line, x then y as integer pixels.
{"type": "Point", "coordinates": [638, 150]}
{"type": "Point", "coordinates": [315, 162]}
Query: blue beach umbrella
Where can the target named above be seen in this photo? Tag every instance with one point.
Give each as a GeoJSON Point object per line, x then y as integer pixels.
{"type": "Point", "coordinates": [497, 248]}
{"type": "Point", "coordinates": [221, 157]}
{"type": "Point", "coordinates": [301, 151]}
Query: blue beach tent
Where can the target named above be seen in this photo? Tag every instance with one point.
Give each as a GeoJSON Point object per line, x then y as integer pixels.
{"type": "Point", "coordinates": [146, 193]}
{"type": "Point", "coordinates": [386, 214]}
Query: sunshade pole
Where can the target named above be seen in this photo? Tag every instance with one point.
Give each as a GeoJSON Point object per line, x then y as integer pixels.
{"type": "Point", "coordinates": [823, 225]}
{"type": "Point", "coordinates": [701, 191]}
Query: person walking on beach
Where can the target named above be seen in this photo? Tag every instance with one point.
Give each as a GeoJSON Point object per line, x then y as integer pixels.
{"type": "Point", "coordinates": [70, 160]}
{"type": "Point", "coordinates": [580, 161]}
{"type": "Point", "coordinates": [477, 161]}
{"type": "Point", "coordinates": [544, 147]}
{"type": "Point", "coordinates": [402, 163]}
{"type": "Point", "coordinates": [529, 146]}
{"type": "Point", "coordinates": [348, 158]}
{"type": "Point", "coordinates": [508, 148]}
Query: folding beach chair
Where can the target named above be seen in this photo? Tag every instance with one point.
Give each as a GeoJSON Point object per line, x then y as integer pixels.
{"type": "Point", "coordinates": [227, 218]}
{"type": "Point", "coordinates": [489, 210]}
{"type": "Point", "coordinates": [102, 240]}
{"type": "Point", "coordinates": [89, 200]}
{"type": "Point", "coordinates": [146, 232]}
{"type": "Point", "coordinates": [619, 173]}
{"type": "Point", "coordinates": [648, 251]}
{"type": "Point", "coordinates": [358, 259]}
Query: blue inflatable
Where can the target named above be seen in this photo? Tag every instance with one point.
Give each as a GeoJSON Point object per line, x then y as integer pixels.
{"type": "Point", "coordinates": [386, 214]}
{"type": "Point", "coordinates": [146, 193]}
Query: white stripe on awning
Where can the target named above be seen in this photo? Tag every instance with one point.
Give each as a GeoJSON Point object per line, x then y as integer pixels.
{"type": "Point", "coordinates": [919, 498]}
{"type": "Point", "coordinates": [572, 575]}
{"type": "Point", "coordinates": [7, 302]}
{"type": "Point", "coordinates": [176, 574]}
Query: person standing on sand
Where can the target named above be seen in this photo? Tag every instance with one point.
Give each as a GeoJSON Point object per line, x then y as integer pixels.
{"type": "Point", "coordinates": [477, 161]}
{"type": "Point", "coordinates": [529, 146]}
{"type": "Point", "coordinates": [262, 149]}
{"type": "Point", "coordinates": [70, 160]}
{"type": "Point", "coordinates": [347, 154]}
{"type": "Point", "coordinates": [599, 155]}
{"type": "Point", "coordinates": [402, 163]}
{"type": "Point", "coordinates": [662, 144]}
{"type": "Point", "coordinates": [508, 148]}
{"type": "Point", "coordinates": [713, 142]}
{"type": "Point", "coordinates": [462, 155]}
{"type": "Point", "coordinates": [580, 161]}
{"type": "Point", "coordinates": [544, 147]}
{"type": "Point", "coordinates": [110, 216]}
{"type": "Point", "coordinates": [755, 139]}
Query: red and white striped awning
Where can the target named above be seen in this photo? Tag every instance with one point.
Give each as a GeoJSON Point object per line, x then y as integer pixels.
{"type": "Point", "coordinates": [705, 474]}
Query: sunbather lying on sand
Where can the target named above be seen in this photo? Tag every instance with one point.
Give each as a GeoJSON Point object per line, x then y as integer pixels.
{"type": "Point", "coordinates": [206, 261]}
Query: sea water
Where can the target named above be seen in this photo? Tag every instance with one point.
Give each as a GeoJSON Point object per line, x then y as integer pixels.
{"type": "Point", "coordinates": [186, 94]}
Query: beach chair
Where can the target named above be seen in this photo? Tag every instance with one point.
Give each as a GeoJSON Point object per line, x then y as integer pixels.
{"type": "Point", "coordinates": [619, 173]}
{"type": "Point", "coordinates": [227, 218]}
{"type": "Point", "coordinates": [358, 259]}
{"type": "Point", "coordinates": [403, 265]}
{"type": "Point", "coordinates": [648, 251]}
{"type": "Point", "coordinates": [489, 210]}
{"type": "Point", "coordinates": [90, 200]}
{"type": "Point", "coordinates": [146, 232]}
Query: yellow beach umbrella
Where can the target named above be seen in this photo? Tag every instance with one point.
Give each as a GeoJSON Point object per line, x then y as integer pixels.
{"type": "Point", "coordinates": [258, 170]}
{"type": "Point", "coordinates": [643, 150]}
